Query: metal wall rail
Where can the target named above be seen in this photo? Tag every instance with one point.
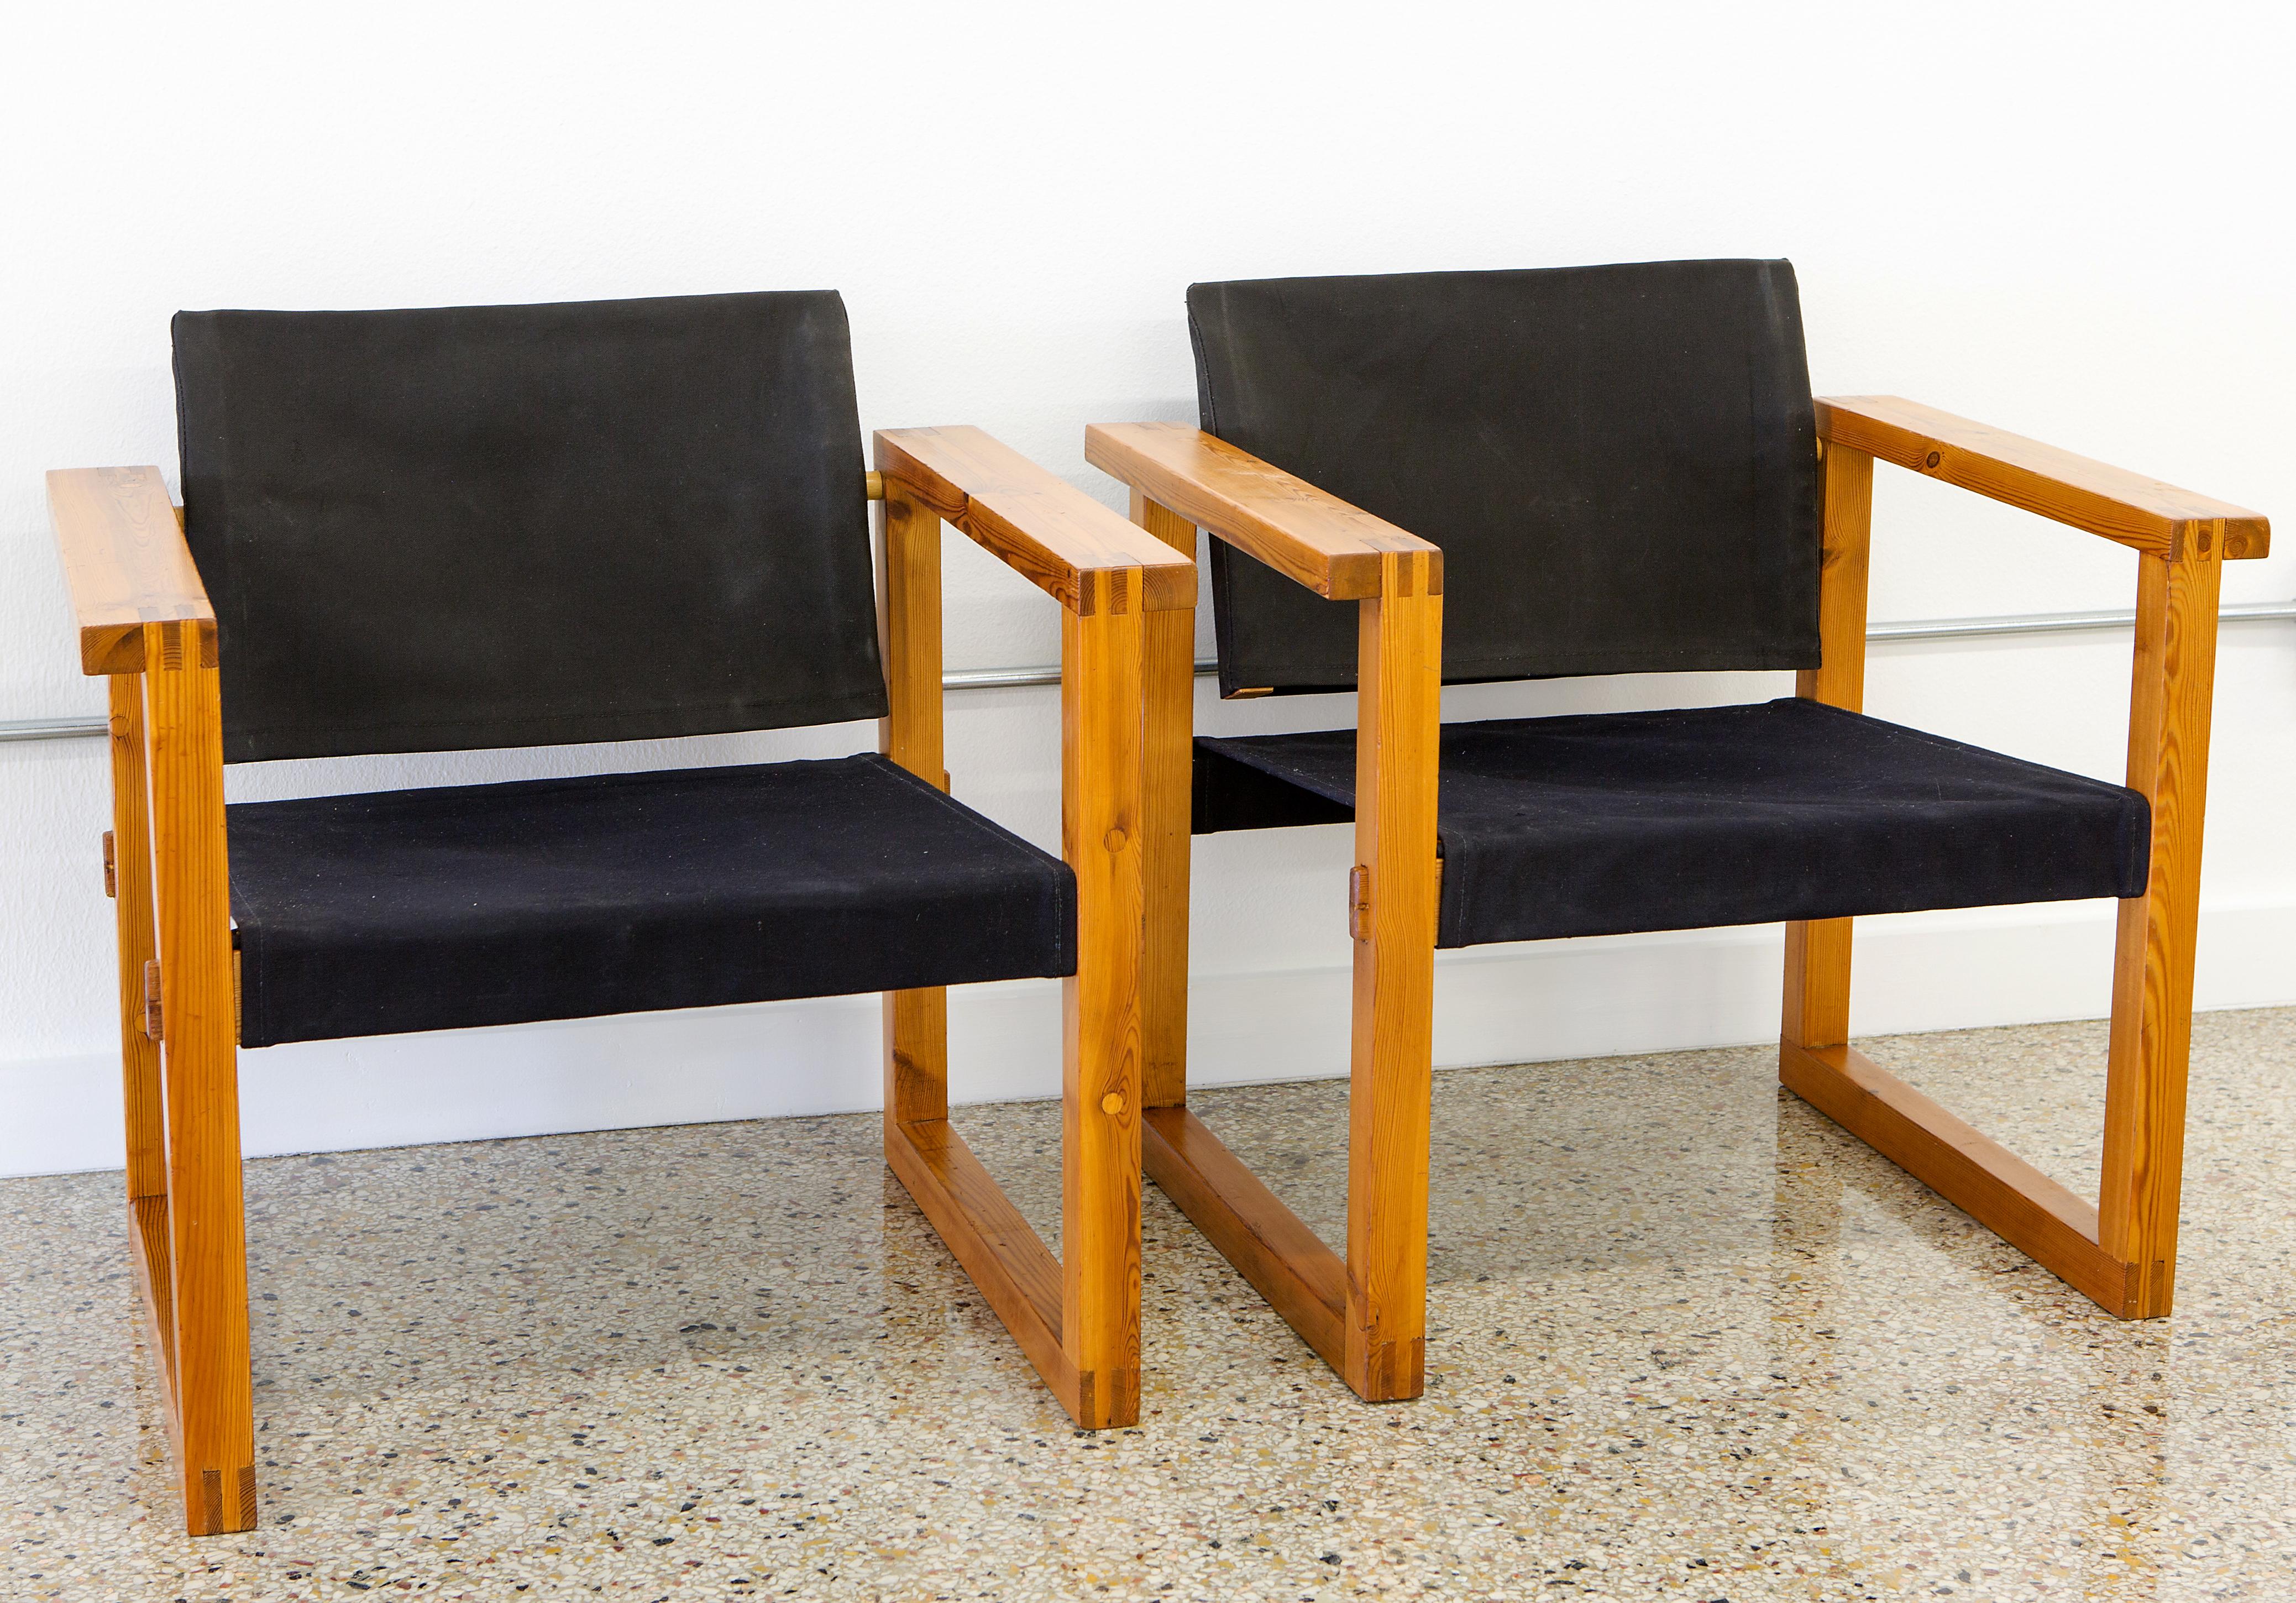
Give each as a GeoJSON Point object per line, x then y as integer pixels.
{"type": "Point", "coordinates": [1006, 678]}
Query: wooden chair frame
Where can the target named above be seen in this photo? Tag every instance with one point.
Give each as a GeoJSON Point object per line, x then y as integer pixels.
{"type": "Point", "coordinates": [1365, 1314]}
{"type": "Point", "coordinates": [144, 622]}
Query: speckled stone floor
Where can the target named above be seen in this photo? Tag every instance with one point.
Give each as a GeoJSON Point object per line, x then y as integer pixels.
{"type": "Point", "coordinates": [1688, 1341]}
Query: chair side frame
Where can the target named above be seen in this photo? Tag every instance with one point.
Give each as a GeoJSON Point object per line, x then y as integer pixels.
{"type": "Point", "coordinates": [1363, 1312]}
{"type": "Point", "coordinates": [1077, 1317]}
{"type": "Point", "coordinates": [2121, 1250]}
{"type": "Point", "coordinates": [144, 623]}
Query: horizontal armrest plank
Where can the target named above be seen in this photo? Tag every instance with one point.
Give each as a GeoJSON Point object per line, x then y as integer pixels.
{"type": "Point", "coordinates": [1043, 527]}
{"type": "Point", "coordinates": [127, 565]}
{"type": "Point", "coordinates": [1305, 534]}
{"type": "Point", "coordinates": [2110, 501]}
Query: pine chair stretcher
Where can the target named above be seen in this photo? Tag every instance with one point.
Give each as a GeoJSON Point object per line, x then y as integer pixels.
{"type": "Point", "coordinates": [144, 620]}
{"type": "Point", "coordinates": [1363, 1312]}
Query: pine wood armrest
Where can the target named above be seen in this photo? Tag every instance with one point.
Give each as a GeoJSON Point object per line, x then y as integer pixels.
{"type": "Point", "coordinates": [1046, 529]}
{"type": "Point", "coordinates": [2114, 502]}
{"type": "Point", "coordinates": [1300, 532]}
{"type": "Point", "coordinates": [127, 565]}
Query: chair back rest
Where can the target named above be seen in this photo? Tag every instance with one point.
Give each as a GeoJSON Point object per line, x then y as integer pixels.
{"type": "Point", "coordinates": [528, 525]}
{"type": "Point", "coordinates": [1619, 463]}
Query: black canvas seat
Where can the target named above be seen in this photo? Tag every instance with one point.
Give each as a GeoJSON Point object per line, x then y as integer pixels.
{"type": "Point", "coordinates": [1605, 823]}
{"type": "Point", "coordinates": [467, 527]}
{"type": "Point", "coordinates": [1620, 466]}
{"type": "Point", "coordinates": [498, 904]}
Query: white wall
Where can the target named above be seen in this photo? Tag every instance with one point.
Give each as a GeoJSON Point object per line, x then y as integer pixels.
{"type": "Point", "coordinates": [2071, 221]}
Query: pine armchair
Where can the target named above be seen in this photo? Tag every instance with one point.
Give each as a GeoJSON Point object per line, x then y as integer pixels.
{"type": "Point", "coordinates": [1621, 469]}
{"type": "Point", "coordinates": [490, 527]}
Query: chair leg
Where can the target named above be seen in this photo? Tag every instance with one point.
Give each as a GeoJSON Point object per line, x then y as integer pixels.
{"type": "Point", "coordinates": [1171, 679]}
{"type": "Point", "coordinates": [1104, 819]}
{"type": "Point", "coordinates": [131, 877]}
{"type": "Point", "coordinates": [206, 1229]}
{"type": "Point", "coordinates": [142, 1082]}
{"type": "Point", "coordinates": [2173, 685]}
{"type": "Point", "coordinates": [1390, 1086]}
{"type": "Point", "coordinates": [916, 1056]}
{"type": "Point", "coordinates": [2149, 1050]}
{"type": "Point", "coordinates": [1818, 983]}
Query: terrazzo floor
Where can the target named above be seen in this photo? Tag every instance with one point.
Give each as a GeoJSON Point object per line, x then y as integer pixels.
{"type": "Point", "coordinates": [1688, 1341]}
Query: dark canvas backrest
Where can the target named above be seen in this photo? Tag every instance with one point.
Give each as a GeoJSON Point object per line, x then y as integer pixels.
{"type": "Point", "coordinates": [1619, 463]}
{"type": "Point", "coordinates": [528, 525]}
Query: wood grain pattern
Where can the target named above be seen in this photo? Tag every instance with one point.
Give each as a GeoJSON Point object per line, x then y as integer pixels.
{"type": "Point", "coordinates": [2146, 514]}
{"type": "Point", "coordinates": [149, 1249]}
{"type": "Point", "coordinates": [1104, 775]}
{"type": "Point", "coordinates": [192, 904]}
{"type": "Point", "coordinates": [2172, 687]}
{"type": "Point", "coordinates": [1045, 529]}
{"type": "Point", "coordinates": [1337, 550]}
{"type": "Point", "coordinates": [909, 633]}
{"type": "Point", "coordinates": [1302, 1280]}
{"type": "Point", "coordinates": [1399, 704]}
{"type": "Point", "coordinates": [2056, 1228]}
{"type": "Point", "coordinates": [131, 854]}
{"type": "Point", "coordinates": [916, 1054]}
{"type": "Point", "coordinates": [1845, 545]}
{"type": "Point", "coordinates": [1166, 833]}
{"type": "Point", "coordinates": [1006, 1259]}
{"type": "Point", "coordinates": [1816, 1012]}
{"type": "Point", "coordinates": [127, 566]}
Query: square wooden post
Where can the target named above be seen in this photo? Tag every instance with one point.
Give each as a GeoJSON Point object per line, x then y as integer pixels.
{"type": "Point", "coordinates": [909, 636]}
{"type": "Point", "coordinates": [1103, 820]}
{"type": "Point", "coordinates": [1817, 950]}
{"type": "Point", "coordinates": [2172, 685]}
{"type": "Point", "coordinates": [207, 1227]}
{"type": "Point", "coordinates": [1167, 834]}
{"type": "Point", "coordinates": [1398, 698]}
{"type": "Point", "coordinates": [130, 877]}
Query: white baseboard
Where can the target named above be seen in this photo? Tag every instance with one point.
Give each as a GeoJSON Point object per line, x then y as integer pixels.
{"type": "Point", "coordinates": [1512, 1004]}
